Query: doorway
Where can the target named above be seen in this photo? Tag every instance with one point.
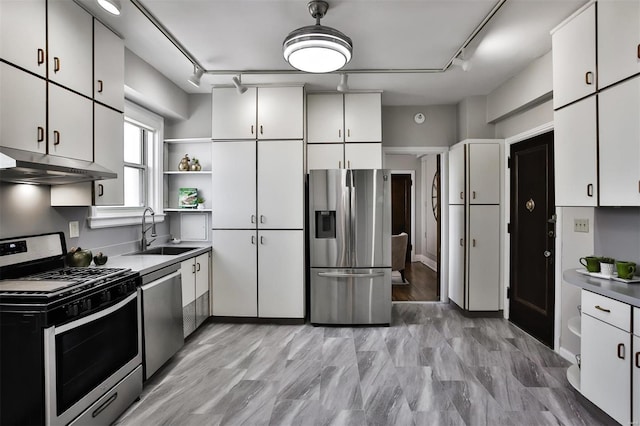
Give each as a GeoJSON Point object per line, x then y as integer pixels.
{"type": "Point", "coordinates": [401, 208]}
{"type": "Point", "coordinates": [532, 237]}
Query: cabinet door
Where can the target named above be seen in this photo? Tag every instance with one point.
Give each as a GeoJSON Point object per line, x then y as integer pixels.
{"type": "Point", "coordinates": [233, 115]}
{"type": "Point", "coordinates": [574, 58]}
{"type": "Point", "coordinates": [363, 155]}
{"type": "Point", "coordinates": [605, 378]}
{"type": "Point", "coordinates": [362, 117]}
{"type": "Point", "coordinates": [618, 41]}
{"type": "Point", "coordinates": [202, 287]}
{"type": "Point", "coordinates": [325, 118]}
{"type": "Point", "coordinates": [575, 154]}
{"type": "Point", "coordinates": [281, 284]}
{"type": "Point", "coordinates": [21, 93]}
{"type": "Point", "coordinates": [484, 173]}
{"type": "Point", "coordinates": [22, 34]}
{"type": "Point", "coordinates": [234, 184]}
{"type": "Point", "coordinates": [325, 156]}
{"type": "Point", "coordinates": [456, 174]}
{"type": "Point", "coordinates": [280, 113]}
{"type": "Point", "coordinates": [456, 254]}
{"type": "Point", "coordinates": [109, 152]}
{"type": "Point", "coordinates": [108, 67]}
{"type": "Point", "coordinates": [70, 124]}
{"type": "Point", "coordinates": [235, 289]}
{"type": "Point", "coordinates": [635, 377]}
{"type": "Point", "coordinates": [187, 273]}
{"type": "Point", "coordinates": [280, 185]}
{"type": "Point", "coordinates": [70, 40]}
{"type": "Point", "coordinates": [483, 274]}
{"type": "Point", "coordinates": [619, 153]}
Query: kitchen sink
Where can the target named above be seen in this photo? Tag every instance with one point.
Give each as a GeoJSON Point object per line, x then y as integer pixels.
{"type": "Point", "coordinates": [164, 251]}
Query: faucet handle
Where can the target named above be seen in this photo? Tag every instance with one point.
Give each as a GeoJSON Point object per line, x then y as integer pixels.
{"type": "Point", "coordinates": [149, 242]}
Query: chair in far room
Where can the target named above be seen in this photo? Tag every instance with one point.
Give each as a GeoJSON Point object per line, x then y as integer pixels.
{"type": "Point", "coordinates": [399, 253]}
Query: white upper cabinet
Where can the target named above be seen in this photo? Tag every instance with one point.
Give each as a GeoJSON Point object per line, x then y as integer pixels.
{"type": "Point", "coordinates": [484, 173]}
{"type": "Point", "coordinates": [575, 154]}
{"type": "Point", "coordinates": [70, 124]}
{"type": "Point", "coordinates": [70, 40]}
{"type": "Point", "coordinates": [108, 82]}
{"type": "Point", "coordinates": [280, 113]}
{"type": "Point", "coordinates": [234, 184]}
{"type": "Point", "coordinates": [22, 92]}
{"type": "Point", "coordinates": [363, 155]}
{"type": "Point", "coordinates": [619, 151]}
{"type": "Point", "coordinates": [362, 117]}
{"type": "Point", "coordinates": [23, 34]}
{"type": "Point", "coordinates": [325, 156]}
{"type": "Point", "coordinates": [280, 185]}
{"type": "Point", "coordinates": [259, 113]}
{"type": "Point", "coordinates": [456, 174]}
{"type": "Point", "coordinates": [109, 152]}
{"type": "Point", "coordinates": [234, 115]}
{"type": "Point", "coordinates": [618, 40]}
{"type": "Point", "coordinates": [574, 58]}
{"type": "Point", "coordinates": [325, 118]}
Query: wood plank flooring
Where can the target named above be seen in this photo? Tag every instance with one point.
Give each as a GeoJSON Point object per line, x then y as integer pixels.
{"type": "Point", "coordinates": [422, 287]}
{"type": "Point", "coordinates": [432, 366]}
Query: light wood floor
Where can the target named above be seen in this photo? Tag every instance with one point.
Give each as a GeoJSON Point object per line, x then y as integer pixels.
{"type": "Point", "coordinates": [422, 288]}
{"type": "Point", "coordinates": [431, 366]}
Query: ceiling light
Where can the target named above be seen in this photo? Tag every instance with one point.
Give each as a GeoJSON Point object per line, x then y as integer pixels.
{"type": "Point", "coordinates": [343, 86]}
{"type": "Point", "coordinates": [237, 81]}
{"type": "Point", "coordinates": [197, 75]}
{"type": "Point", "coordinates": [315, 48]}
{"type": "Point", "coordinates": [461, 63]}
{"type": "Point", "coordinates": [112, 6]}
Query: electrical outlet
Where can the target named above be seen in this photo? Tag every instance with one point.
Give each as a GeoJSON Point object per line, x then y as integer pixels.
{"type": "Point", "coordinates": [581, 225]}
{"type": "Point", "coordinates": [74, 229]}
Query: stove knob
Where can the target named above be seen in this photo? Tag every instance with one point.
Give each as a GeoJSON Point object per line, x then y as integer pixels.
{"type": "Point", "coordinates": [72, 310]}
{"type": "Point", "coordinates": [105, 296]}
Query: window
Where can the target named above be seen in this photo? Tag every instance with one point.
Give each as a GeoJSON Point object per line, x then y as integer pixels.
{"type": "Point", "coordinates": [143, 135]}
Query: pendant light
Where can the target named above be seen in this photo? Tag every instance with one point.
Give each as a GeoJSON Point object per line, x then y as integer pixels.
{"type": "Point", "coordinates": [317, 48]}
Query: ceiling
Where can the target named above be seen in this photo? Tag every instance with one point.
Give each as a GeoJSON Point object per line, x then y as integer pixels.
{"type": "Point", "coordinates": [401, 47]}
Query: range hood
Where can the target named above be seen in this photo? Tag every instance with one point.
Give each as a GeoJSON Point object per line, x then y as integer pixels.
{"type": "Point", "coordinates": [21, 166]}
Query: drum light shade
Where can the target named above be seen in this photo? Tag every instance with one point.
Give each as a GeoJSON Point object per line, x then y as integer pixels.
{"type": "Point", "coordinates": [317, 49]}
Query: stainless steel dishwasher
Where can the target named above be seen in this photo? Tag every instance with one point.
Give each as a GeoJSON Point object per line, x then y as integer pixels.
{"type": "Point", "coordinates": [161, 294]}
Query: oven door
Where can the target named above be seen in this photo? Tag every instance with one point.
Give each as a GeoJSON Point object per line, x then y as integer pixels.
{"type": "Point", "coordinates": [85, 358]}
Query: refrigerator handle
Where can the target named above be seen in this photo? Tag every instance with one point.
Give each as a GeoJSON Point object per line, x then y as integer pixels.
{"type": "Point", "coordinates": [352, 219]}
{"type": "Point", "coordinates": [350, 275]}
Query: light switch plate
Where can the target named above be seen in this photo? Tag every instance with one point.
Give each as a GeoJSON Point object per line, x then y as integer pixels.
{"type": "Point", "coordinates": [581, 225]}
{"type": "Point", "coordinates": [74, 229]}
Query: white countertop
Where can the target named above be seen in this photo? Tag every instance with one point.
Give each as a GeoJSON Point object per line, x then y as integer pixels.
{"type": "Point", "coordinates": [146, 263]}
{"type": "Point", "coordinates": [622, 292]}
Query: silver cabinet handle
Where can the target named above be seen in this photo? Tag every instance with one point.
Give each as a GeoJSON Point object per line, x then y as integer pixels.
{"type": "Point", "coordinates": [262, 240]}
{"type": "Point", "coordinates": [56, 64]}
{"type": "Point", "coordinates": [100, 86]}
{"type": "Point", "coordinates": [600, 308]}
{"type": "Point", "coordinates": [621, 351]}
{"type": "Point", "coordinates": [590, 190]}
{"type": "Point", "coordinates": [261, 132]}
{"type": "Point", "coordinates": [588, 78]}
{"type": "Point", "coordinates": [193, 269]}
{"type": "Point", "coordinates": [40, 134]}
{"type": "Point", "coordinates": [348, 133]}
{"type": "Point", "coordinates": [473, 194]}
{"type": "Point", "coordinates": [348, 164]}
{"type": "Point", "coordinates": [253, 218]}
{"type": "Point", "coordinates": [349, 275]}
{"type": "Point", "coordinates": [473, 242]}
{"type": "Point", "coordinates": [100, 190]}
{"type": "Point", "coordinates": [41, 56]}
{"type": "Point", "coordinates": [56, 137]}
{"type": "Point", "coordinates": [339, 164]}
{"type": "Point", "coordinates": [253, 239]}
{"type": "Point", "coordinates": [339, 133]}
{"type": "Point", "coordinates": [461, 242]}
{"type": "Point", "coordinates": [198, 267]}
{"type": "Point", "coordinates": [261, 218]}
{"type": "Point", "coordinates": [252, 129]}
{"type": "Point", "coordinates": [461, 195]}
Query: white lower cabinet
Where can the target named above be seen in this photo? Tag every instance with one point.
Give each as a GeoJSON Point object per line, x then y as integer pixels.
{"type": "Point", "coordinates": [195, 274]}
{"type": "Point", "coordinates": [456, 254]}
{"type": "Point", "coordinates": [281, 274]}
{"type": "Point", "coordinates": [483, 244]}
{"type": "Point", "coordinates": [258, 273]}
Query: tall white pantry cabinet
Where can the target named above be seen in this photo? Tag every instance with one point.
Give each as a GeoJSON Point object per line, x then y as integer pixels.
{"type": "Point", "coordinates": [258, 202]}
{"type": "Point", "coordinates": [474, 224]}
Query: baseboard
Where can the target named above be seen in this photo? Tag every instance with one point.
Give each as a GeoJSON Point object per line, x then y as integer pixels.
{"type": "Point", "coordinates": [566, 354]}
{"type": "Point", "coordinates": [429, 263]}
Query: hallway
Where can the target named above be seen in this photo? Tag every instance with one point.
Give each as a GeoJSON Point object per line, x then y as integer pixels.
{"type": "Point", "coordinates": [422, 287]}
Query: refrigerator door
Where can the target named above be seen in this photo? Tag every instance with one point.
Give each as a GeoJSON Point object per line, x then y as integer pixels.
{"type": "Point", "coordinates": [329, 227]}
{"type": "Point", "coordinates": [350, 296]}
{"type": "Point", "coordinates": [370, 218]}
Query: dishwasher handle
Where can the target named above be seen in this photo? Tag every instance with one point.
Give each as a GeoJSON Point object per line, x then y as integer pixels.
{"type": "Point", "coordinates": [350, 274]}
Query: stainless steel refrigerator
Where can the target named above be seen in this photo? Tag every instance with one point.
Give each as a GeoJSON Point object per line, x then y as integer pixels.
{"type": "Point", "coordinates": [350, 246]}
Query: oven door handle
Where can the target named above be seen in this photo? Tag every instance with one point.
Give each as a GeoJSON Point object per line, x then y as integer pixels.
{"type": "Point", "coordinates": [96, 316]}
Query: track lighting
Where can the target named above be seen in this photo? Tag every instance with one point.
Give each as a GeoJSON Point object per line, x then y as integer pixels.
{"type": "Point", "coordinates": [112, 6]}
{"type": "Point", "coordinates": [461, 63]}
{"type": "Point", "coordinates": [197, 75]}
{"type": "Point", "coordinates": [237, 81]}
{"type": "Point", "coordinates": [343, 86]}
{"type": "Point", "coordinates": [316, 48]}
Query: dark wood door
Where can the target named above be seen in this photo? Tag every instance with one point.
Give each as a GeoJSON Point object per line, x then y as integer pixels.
{"type": "Point", "coordinates": [437, 211]}
{"type": "Point", "coordinates": [532, 287]}
{"type": "Point", "coordinates": [401, 207]}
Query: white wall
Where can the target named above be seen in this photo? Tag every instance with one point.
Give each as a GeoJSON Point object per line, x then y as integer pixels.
{"type": "Point", "coordinates": [198, 122]}
{"type": "Point", "coordinates": [430, 235]}
{"type": "Point", "coordinates": [472, 121]}
{"type": "Point", "coordinates": [439, 128]}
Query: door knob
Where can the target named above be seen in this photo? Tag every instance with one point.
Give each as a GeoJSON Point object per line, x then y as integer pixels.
{"type": "Point", "coordinates": [547, 253]}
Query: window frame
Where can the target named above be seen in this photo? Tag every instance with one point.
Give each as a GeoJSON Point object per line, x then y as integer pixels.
{"type": "Point", "coordinates": [112, 216]}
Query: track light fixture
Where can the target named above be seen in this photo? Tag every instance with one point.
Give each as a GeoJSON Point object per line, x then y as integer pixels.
{"type": "Point", "coordinates": [112, 6]}
{"type": "Point", "coordinates": [461, 63]}
{"type": "Point", "coordinates": [197, 75]}
{"type": "Point", "coordinates": [237, 81]}
{"type": "Point", "coordinates": [315, 48]}
{"type": "Point", "coordinates": [343, 86]}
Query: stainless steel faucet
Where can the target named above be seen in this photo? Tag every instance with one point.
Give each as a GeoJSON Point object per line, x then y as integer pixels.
{"type": "Point", "coordinates": [143, 241]}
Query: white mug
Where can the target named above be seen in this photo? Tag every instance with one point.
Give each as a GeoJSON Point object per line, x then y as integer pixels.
{"type": "Point", "coordinates": [606, 269]}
